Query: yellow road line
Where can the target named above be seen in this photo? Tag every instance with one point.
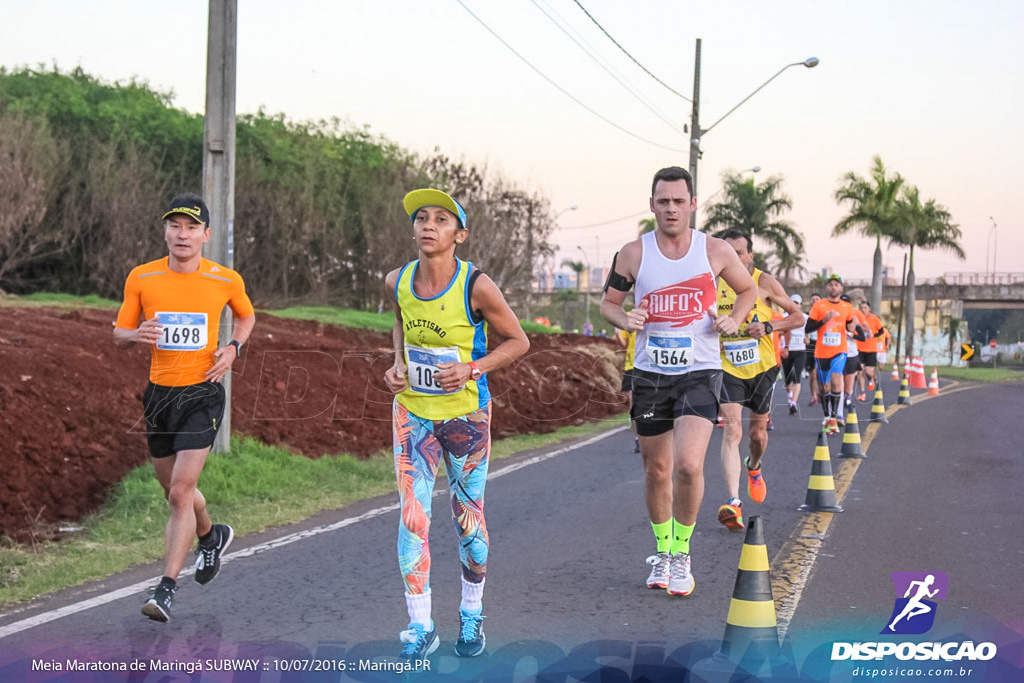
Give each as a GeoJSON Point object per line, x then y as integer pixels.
{"type": "Point", "coordinates": [791, 567]}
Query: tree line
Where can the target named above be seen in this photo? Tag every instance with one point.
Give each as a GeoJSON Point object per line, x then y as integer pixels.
{"type": "Point", "coordinates": [87, 168]}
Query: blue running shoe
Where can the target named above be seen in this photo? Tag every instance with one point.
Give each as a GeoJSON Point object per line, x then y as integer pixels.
{"type": "Point", "coordinates": [471, 640]}
{"type": "Point", "coordinates": [419, 642]}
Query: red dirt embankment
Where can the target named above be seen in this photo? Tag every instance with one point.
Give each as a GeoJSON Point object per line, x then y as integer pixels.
{"type": "Point", "coordinates": [71, 413]}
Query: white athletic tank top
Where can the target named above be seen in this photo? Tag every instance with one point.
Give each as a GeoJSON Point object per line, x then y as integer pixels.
{"type": "Point", "coordinates": [796, 339]}
{"type": "Point", "coordinates": [679, 335]}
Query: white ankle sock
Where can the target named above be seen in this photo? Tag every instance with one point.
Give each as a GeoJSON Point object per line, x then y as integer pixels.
{"type": "Point", "coordinates": [472, 596]}
{"type": "Point", "coordinates": [419, 609]}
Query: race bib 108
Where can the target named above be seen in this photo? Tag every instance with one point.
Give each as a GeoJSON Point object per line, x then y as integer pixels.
{"type": "Point", "coordinates": [423, 364]}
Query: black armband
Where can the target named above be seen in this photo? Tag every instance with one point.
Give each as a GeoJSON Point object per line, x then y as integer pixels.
{"type": "Point", "coordinates": [813, 325]}
{"type": "Point", "coordinates": [616, 281]}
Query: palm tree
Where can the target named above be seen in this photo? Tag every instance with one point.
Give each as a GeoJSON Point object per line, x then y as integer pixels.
{"type": "Point", "coordinates": [754, 209]}
{"type": "Point", "coordinates": [871, 211]}
{"type": "Point", "coordinates": [577, 267]}
{"type": "Point", "coordinates": [928, 226]}
{"type": "Point", "coordinates": [788, 263]}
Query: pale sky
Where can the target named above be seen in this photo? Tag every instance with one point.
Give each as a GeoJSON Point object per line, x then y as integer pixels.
{"type": "Point", "coordinates": [934, 87]}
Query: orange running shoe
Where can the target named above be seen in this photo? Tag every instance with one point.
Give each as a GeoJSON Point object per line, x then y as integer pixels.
{"type": "Point", "coordinates": [756, 488]}
{"type": "Point", "coordinates": [731, 515]}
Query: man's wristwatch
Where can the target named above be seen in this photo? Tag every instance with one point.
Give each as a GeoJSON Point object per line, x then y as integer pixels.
{"type": "Point", "coordinates": [238, 347]}
{"type": "Point", "coordinates": [768, 328]}
{"type": "Point", "coordinates": [474, 371]}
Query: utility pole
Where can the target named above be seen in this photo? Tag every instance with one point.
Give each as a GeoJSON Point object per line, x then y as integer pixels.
{"type": "Point", "coordinates": [695, 131]}
{"type": "Point", "coordinates": [219, 165]}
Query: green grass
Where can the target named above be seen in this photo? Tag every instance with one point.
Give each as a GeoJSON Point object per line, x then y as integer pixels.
{"type": "Point", "coordinates": [255, 487]}
{"type": "Point", "coordinates": [981, 374]}
{"type": "Point", "coordinates": [344, 317]}
{"type": "Point", "coordinates": [61, 300]}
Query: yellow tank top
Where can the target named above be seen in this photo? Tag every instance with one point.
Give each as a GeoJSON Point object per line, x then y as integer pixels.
{"type": "Point", "coordinates": [744, 356]}
{"type": "Point", "coordinates": [630, 338]}
{"type": "Point", "coordinates": [438, 330]}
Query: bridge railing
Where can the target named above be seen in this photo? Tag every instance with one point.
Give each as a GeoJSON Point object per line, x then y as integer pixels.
{"type": "Point", "coordinates": [983, 278]}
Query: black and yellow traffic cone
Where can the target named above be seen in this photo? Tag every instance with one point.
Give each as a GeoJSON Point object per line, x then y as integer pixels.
{"type": "Point", "coordinates": [751, 638]}
{"type": "Point", "coordinates": [751, 631]}
{"type": "Point", "coordinates": [821, 489]}
{"type": "Point", "coordinates": [851, 437]}
{"type": "Point", "coordinates": [904, 397]}
{"type": "Point", "coordinates": [878, 407]}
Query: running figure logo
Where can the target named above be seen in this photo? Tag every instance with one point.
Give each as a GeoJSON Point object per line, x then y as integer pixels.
{"type": "Point", "coordinates": [914, 612]}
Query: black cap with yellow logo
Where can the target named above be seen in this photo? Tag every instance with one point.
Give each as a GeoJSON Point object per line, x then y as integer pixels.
{"type": "Point", "coordinates": [190, 205]}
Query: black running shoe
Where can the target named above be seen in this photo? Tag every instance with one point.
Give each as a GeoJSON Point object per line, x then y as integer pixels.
{"type": "Point", "coordinates": [158, 607]}
{"type": "Point", "coordinates": [208, 557]}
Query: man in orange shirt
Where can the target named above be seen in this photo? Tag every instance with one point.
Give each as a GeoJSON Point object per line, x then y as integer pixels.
{"type": "Point", "coordinates": [174, 304]}
{"type": "Point", "coordinates": [869, 349]}
{"type": "Point", "coordinates": [835, 318]}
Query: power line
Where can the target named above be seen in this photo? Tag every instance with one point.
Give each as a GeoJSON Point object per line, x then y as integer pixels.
{"type": "Point", "coordinates": [625, 52]}
{"type": "Point", "coordinates": [589, 52]}
{"type": "Point", "coordinates": [597, 225]}
{"type": "Point", "coordinates": [563, 90]}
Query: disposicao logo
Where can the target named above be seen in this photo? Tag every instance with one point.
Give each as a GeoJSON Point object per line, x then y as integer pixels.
{"type": "Point", "coordinates": [913, 613]}
{"type": "Point", "coordinates": [916, 595]}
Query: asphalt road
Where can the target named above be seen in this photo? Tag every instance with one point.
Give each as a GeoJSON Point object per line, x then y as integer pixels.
{"type": "Point", "coordinates": [565, 594]}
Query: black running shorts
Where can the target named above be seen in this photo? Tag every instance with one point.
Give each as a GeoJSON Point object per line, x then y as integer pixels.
{"type": "Point", "coordinates": [811, 364]}
{"type": "Point", "coordinates": [659, 399]}
{"type": "Point", "coordinates": [793, 366]}
{"type": "Point", "coordinates": [182, 418]}
{"type": "Point", "coordinates": [627, 380]}
{"type": "Point", "coordinates": [755, 393]}
{"type": "Point", "coordinates": [852, 365]}
{"type": "Point", "coordinates": [869, 359]}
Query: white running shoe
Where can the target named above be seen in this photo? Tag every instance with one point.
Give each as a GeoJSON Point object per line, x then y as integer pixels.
{"type": "Point", "coordinates": [680, 580]}
{"type": "Point", "coordinates": [659, 573]}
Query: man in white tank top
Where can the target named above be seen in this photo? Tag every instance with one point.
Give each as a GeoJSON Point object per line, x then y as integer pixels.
{"type": "Point", "coordinates": [677, 364]}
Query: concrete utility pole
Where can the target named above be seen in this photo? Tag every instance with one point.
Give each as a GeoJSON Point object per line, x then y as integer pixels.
{"type": "Point", "coordinates": [219, 165]}
{"type": "Point", "coordinates": [695, 131]}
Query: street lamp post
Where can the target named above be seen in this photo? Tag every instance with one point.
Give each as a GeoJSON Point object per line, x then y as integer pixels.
{"type": "Point", "coordinates": [587, 261]}
{"type": "Point", "coordinates": [992, 233]}
{"type": "Point", "coordinates": [529, 258]}
{"type": "Point", "coordinates": [697, 132]}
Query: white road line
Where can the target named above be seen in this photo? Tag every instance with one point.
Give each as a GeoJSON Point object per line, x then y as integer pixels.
{"type": "Point", "coordinates": [128, 591]}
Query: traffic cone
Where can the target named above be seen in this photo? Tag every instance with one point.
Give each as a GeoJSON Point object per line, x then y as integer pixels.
{"type": "Point", "coordinates": [895, 373]}
{"type": "Point", "coordinates": [878, 407]}
{"type": "Point", "coordinates": [917, 380]}
{"type": "Point", "coordinates": [933, 384]}
{"type": "Point", "coordinates": [751, 631]}
{"type": "Point", "coordinates": [851, 437]}
{"type": "Point", "coordinates": [904, 396]}
{"type": "Point", "coordinates": [821, 489]}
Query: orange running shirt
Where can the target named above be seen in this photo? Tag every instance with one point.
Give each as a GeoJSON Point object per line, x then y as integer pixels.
{"type": "Point", "coordinates": [189, 306]}
{"type": "Point", "coordinates": [831, 335]}
{"type": "Point", "coordinates": [871, 324]}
